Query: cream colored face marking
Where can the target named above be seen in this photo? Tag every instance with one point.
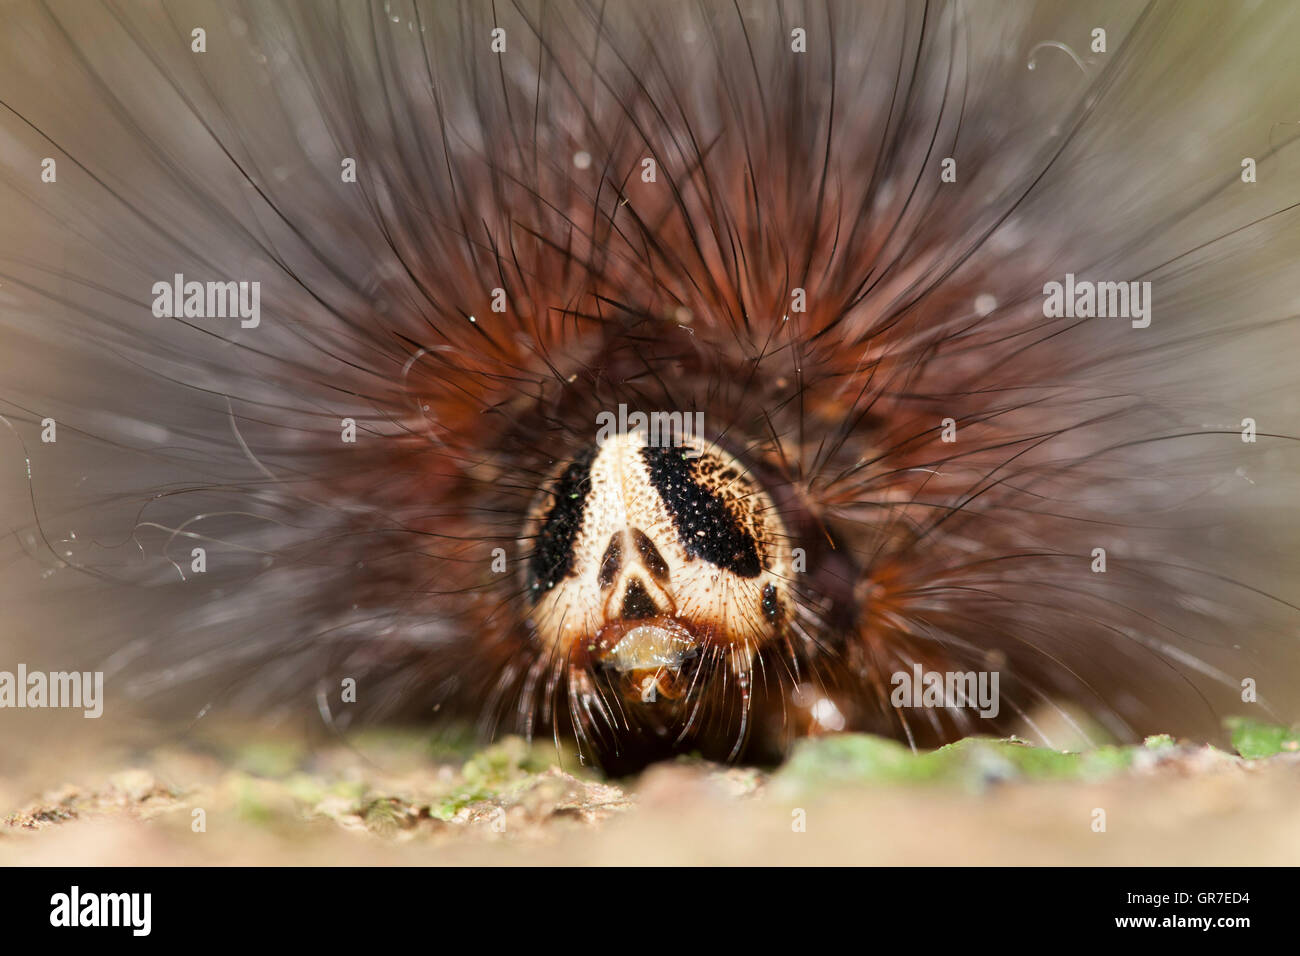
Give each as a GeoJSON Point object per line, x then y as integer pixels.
{"type": "Point", "coordinates": [645, 555]}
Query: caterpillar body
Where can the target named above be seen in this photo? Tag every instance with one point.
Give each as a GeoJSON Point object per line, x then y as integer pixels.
{"type": "Point", "coordinates": [966, 324]}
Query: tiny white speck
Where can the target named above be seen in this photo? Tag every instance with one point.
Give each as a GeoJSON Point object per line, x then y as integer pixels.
{"type": "Point", "coordinates": [985, 303]}
{"type": "Point", "coordinates": [582, 159]}
{"type": "Point", "coordinates": [827, 714]}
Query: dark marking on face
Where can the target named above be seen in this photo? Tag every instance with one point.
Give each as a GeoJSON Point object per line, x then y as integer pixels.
{"type": "Point", "coordinates": [637, 604]}
{"type": "Point", "coordinates": [771, 609]}
{"type": "Point", "coordinates": [553, 551]}
{"type": "Point", "coordinates": [611, 562]}
{"type": "Point", "coordinates": [706, 527]}
{"type": "Point", "coordinates": [650, 556]}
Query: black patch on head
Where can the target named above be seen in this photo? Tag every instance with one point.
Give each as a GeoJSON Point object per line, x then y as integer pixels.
{"type": "Point", "coordinates": [611, 562]}
{"type": "Point", "coordinates": [770, 608]}
{"type": "Point", "coordinates": [553, 551]}
{"type": "Point", "coordinates": [650, 556]}
{"type": "Point", "coordinates": [637, 603]}
{"type": "Point", "coordinates": [706, 528]}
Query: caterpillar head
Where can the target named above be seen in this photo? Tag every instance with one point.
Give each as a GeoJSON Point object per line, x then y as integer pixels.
{"type": "Point", "coordinates": [649, 562]}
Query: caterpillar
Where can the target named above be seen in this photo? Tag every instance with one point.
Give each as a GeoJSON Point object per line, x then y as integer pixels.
{"type": "Point", "coordinates": [665, 378]}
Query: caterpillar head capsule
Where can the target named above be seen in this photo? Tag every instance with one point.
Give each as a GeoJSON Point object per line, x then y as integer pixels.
{"type": "Point", "coordinates": [648, 560]}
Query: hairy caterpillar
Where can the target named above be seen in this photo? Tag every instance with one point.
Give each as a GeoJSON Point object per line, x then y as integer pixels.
{"type": "Point", "coordinates": [826, 232]}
